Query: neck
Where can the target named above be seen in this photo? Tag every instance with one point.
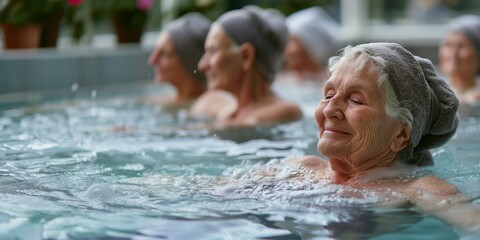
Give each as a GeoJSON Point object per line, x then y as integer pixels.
{"type": "Point", "coordinates": [462, 83]}
{"type": "Point", "coordinates": [189, 90]}
{"type": "Point", "coordinates": [357, 171]}
{"type": "Point", "coordinates": [339, 178]}
{"type": "Point", "coordinates": [253, 89]}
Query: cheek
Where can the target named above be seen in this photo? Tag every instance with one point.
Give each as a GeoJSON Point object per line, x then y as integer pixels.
{"type": "Point", "coordinates": [229, 67]}
{"type": "Point", "coordinates": [445, 53]}
{"type": "Point", "coordinates": [371, 135]}
{"type": "Point", "coordinates": [292, 53]}
{"type": "Point", "coordinates": [160, 69]}
{"type": "Point", "coordinates": [469, 57]}
{"type": "Point", "coordinates": [319, 117]}
{"type": "Point", "coordinates": [164, 64]}
{"type": "Point", "coordinates": [219, 63]}
{"type": "Point", "coordinates": [447, 56]}
{"type": "Point", "coordinates": [365, 133]}
{"type": "Point", "coordinates": [169, 67]}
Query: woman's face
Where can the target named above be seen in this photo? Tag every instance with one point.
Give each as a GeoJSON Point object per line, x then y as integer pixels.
{"type": "Point", "coordinates": [222, 62]}
{"type": "Point", "coordinates": [355, 132]}
{"type": "Point", "coordinates": [297, 57]}
{"type": "Point", "coordinates": [166, 63]}
{"type": "Point", "coordinates": [458, 57]}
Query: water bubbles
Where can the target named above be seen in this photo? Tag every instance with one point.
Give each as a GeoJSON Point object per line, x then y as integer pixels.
{"type": "Point", "coordinates": [74, 87]}
{"type": "Point", "coordinates": [287, 173]}
{"type": "Point", "coordinates": [99, 191]}
{"type": "Point", "coordinates": [133, 167]}
{"type": "Point", "coordinates": [444, 203]}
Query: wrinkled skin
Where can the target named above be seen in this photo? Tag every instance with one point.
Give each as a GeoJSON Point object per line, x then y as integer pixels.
{"type": "Point", "coordinates": [356, 133]}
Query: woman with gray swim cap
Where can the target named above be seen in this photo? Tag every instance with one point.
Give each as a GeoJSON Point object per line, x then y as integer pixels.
{"type": "Point", "coordinates": [459, 57]}
{"type": "Point", "coordinates": [383, 109]}
{"type": "Point", "coordinates": [243, 53]}
{"type": "Point", "coordinates": [176, 55]}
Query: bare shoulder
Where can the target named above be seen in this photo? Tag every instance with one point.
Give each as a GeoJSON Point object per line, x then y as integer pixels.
{"type": "Point", "coordinates": [310, 162]}
{"type": "Point", "coordinates": [215, 103]}
{"type": "Point", "coordinates": [432, 185]}
{"type": "Point", "coordinates": [289, 108]}
{"type": "Point", "coordinates": [280, 111]}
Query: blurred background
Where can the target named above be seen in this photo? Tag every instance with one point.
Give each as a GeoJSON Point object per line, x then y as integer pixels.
{"type": "Point", "coordinates": [80, 43]}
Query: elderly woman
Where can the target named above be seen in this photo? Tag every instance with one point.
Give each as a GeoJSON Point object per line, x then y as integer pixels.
{"type": "Point", "coordinates": [383, 109]}
{"type": "Point", "coordinates": [314, 36]}
{"type": "Point", "coordinates": [243, 54]}
{"type": "Point", "coordinates": [175, 57]}
{"type": "Point", "coordinates": [459, 57]}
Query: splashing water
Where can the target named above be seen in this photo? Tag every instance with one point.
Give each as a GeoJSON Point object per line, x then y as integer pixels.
{"type": "Point", "coordinates": [66, 173]}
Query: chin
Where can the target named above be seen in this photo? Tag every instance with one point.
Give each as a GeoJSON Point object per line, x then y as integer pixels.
{"type": "Point", "coordinates": [324, 147]}
{"type": "Point", "coordinates": [213, 87]}
{"type": "Point", "coordinates": [332, 151]}
{"type": "Point", "coordinates": [159, 80]}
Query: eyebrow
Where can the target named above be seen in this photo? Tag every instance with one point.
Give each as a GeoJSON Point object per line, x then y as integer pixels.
{"type": "Point", "coordinates": [356, 86]}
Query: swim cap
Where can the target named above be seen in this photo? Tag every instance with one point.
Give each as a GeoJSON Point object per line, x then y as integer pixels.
{"type": "Point", "coordinates": [265, 29]}
{"type": "Point", "coordinates": [318, 32]}
{"type": "Point", "coordinates": [425, 94]}
{"type": "Point", "coordinates": [188, 34]}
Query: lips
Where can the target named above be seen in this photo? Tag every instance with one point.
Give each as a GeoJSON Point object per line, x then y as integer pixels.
{"type": "Point", "coordinates": [334, 131]}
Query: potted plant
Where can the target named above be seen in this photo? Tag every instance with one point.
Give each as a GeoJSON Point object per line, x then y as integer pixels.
{"type": "Point", "coordinates": [22, 21]}
{"type": "Point", "coordinates": [82, 16]}
{"type": "Point", "coordinates": [129, 18]}
{"type": "Point", "coordinates": [52, 18]}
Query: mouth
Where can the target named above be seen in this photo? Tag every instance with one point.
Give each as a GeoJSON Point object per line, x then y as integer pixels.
{"type": "Point", "coordinates": [330, 130]}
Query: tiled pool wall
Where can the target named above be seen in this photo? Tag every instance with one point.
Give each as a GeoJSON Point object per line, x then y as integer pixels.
{"type": "Point", "coordinates": [51, 69]}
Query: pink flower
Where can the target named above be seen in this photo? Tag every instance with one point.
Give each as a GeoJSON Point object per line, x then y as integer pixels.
{"type": "Point", "coordinates": [144, 5]}
{"type": "Point", "coordinates": [74, 3]}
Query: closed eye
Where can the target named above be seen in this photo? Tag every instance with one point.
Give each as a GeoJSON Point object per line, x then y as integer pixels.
{"type": "Point", "coordinates": [356, 101]}
{"type": "Point", "coordinates": [328, 96]}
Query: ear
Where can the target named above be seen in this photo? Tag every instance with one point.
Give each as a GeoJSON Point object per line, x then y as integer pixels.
{"type": "Point", "coordinates": [248, 56]}
{"type": "Point", "coordinates": [402, 138]}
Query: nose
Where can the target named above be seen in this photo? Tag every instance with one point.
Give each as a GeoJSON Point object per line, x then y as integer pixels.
{"type": "Point", "coordinates": [153, 57]}
{"type": "Point", "coordinates": [203, 63]}
{"type": "Point", "coordinates": [456, 52]}
{"type": "Point", "coordinates": [334, 107]}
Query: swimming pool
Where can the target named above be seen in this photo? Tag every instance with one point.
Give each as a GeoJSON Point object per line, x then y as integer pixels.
{"type": "Point", "coordinates": [65, 174]}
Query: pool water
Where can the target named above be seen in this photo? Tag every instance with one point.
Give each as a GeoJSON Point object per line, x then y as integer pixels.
{"type": "Point", "coordinates": [66, 173]}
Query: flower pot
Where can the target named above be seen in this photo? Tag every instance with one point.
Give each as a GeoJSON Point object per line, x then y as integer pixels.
{"type": "Point", "coordinates": [50, 29]}
{"type": "Point", "coordinates": [23, 36]}
{"type": "Point", "coordinates": [128, 25]}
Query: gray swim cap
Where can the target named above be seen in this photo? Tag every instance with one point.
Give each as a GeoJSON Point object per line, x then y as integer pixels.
{"type": "Point", "coordinates": [188, 34]}
{"type": "Point", "coordinates": [265, 29]}
{"type": "Point", "coordinates": [318, 32]}
{"type": "Point", "coordinates": [425, 94]}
